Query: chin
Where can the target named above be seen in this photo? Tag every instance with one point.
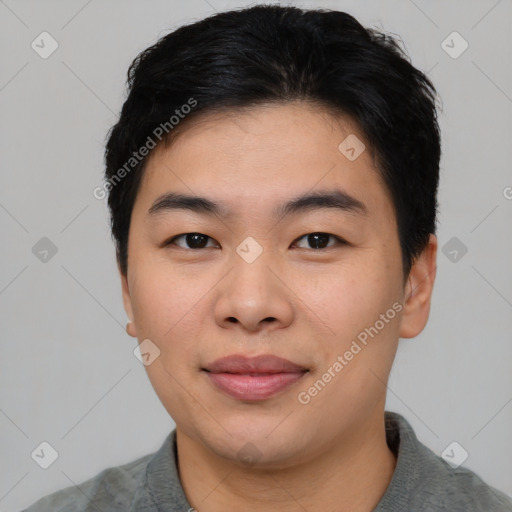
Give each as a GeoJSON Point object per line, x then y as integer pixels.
{"type": "Point", "coordinates": [259, 453]}
{"type": "Point", "coordinates": [254, 442]}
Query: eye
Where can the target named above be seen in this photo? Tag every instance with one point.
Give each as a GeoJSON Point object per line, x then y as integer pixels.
{"type": "Point", "coordinates": [320, 240]}
{"type": "Point", "coordinates": [194, 240]}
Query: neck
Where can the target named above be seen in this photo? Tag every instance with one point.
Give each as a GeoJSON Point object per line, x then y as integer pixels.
{"type": "Point", "coordinates": [351, 475]}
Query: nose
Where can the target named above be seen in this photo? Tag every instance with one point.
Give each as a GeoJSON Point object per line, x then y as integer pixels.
{"type": "Point", "coordinates": [254, 296]}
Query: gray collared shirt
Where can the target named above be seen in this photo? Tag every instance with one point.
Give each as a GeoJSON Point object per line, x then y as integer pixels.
{"type": "Point", "coordinates": [422, 482]}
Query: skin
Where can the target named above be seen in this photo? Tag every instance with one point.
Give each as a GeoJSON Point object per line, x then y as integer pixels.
{"type": "Point", "coordinates": [295, 301]}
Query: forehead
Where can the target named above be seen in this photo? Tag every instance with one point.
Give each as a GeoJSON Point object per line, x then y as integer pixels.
{"type": "Point", "coordinates": [260, 156]}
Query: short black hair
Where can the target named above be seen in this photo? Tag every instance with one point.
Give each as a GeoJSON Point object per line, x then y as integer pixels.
{"type": "Point", "coordinates": [275, 54]}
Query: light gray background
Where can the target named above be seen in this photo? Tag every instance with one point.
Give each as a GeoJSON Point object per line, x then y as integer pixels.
{"type": "Point", "coordinates": [68, 374]}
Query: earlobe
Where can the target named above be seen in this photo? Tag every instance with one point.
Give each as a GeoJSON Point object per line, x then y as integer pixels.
{"type": "Point", "coordinates": [130, 330]}
{"type": "Point", "coordinates": [418, 291]}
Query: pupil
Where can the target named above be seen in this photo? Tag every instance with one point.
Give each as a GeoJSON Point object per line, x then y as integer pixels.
{"type": "Point", "coordinates": [192, 240]}
{"type": "Point", "coordinates": [316, 240]}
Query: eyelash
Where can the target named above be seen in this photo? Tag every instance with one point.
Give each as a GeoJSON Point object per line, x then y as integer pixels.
{"type": "Point", "coordinates": [339, 240]}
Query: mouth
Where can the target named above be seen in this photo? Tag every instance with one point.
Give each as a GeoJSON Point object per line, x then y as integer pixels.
{"type": "Point", "coordinates": [253, 378]}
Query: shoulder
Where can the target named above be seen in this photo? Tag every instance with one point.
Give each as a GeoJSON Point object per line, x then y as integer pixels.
{"type": "Point", "coordinates": [423, 481]}
{"type": "Point", "coordinates": [114, 486]}
{"type": "Point", "coordinates": [462, 489]}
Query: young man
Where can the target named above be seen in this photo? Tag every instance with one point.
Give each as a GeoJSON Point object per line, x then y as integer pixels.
{"type": "Point", "coordinates": [272, 184]}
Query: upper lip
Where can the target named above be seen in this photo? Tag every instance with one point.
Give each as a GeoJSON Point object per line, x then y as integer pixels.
{"type": "Point", "coordinates": [260, 364]}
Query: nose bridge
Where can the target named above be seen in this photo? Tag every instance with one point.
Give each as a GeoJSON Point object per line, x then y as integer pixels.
{"type": "Point", "coordinates": [250, 250]}
{"type": "Point", "coordinates": [251, 292]}
{"type": "Point", "coordinates": [251, 261]}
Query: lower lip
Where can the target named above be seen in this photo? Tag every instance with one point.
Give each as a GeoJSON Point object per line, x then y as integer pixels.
{"type": "Point", "coordinates": [253, 387]}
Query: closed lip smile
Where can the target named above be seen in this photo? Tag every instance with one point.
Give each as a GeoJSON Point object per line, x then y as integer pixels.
{"type": "Point", "coordinates": [253, 378]}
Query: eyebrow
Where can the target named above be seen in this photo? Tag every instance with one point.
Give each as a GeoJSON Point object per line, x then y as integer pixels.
{"type": "Point", "coordinates": [319, 200]}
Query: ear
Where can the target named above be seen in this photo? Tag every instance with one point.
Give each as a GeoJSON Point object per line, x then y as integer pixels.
{"type": "Point", "coordinates": [419, 288]}
{"type": "Point", "coordinates": [130, 326]}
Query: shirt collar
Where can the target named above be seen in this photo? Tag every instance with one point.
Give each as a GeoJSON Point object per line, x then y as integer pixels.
{"type": "Point", "coordinates": [162, 490]}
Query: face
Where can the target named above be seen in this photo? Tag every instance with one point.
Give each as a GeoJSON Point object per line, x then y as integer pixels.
{"type": "Point", "coordinates": [318, 283]}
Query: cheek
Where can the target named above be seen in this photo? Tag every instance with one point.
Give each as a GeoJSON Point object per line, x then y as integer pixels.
{"type": "Point", "coordinates": [169, 310]}
{"type": "Point", "coordinates": [361, 351]}
{"type": "Point", "coordinates": [154, 307]}
{"type": "Point", "coordinates": [345, 298]}
{"type": "Point", "coordinates": [161, 296]}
